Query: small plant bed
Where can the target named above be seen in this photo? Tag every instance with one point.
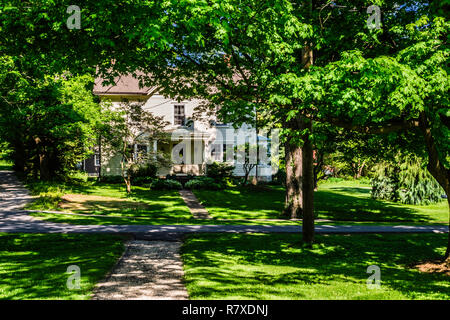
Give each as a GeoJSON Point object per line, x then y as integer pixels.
{"type": "Point", "coordinates": [34, 266]}
{"type": "Point", "coordinates": [277, 266]}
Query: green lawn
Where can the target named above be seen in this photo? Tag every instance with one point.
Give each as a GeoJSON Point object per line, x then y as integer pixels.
{"type": "Point", "coordinates": [162, 206]}
{"type": "Point", "coordinates": [276, 266]}
{"type": "Point", "coordinates": [345, 202]}
{"type": "Point", "coordinates": [5, 164]}
{"type": "Point", "coordinates": [341, 201]}
{"type": "Point", "coordinates": [33, 266]}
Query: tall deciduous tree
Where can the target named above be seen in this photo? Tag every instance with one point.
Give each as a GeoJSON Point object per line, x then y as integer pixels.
{"type": "Point", "coordinates": [48, 122]}
{"type": "Point", "coordinates": [288, 59]}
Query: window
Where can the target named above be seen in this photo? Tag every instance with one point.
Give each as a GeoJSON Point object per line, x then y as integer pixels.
{"type": "Point", "coordinates": [216, 152]}
{"type": "Point", "coordinates": [97, 160]}
{"type": "Point", "coordinates": [179, 116]}
{"type": "Point", "coordinates": [227, 155]}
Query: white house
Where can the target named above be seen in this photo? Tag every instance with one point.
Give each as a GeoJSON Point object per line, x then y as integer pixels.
{"type": "Point", "coordinates": [204, 140]}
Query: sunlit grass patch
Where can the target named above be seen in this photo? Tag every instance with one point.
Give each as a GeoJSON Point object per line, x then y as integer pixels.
{"type": "Point", "coordinates": [34, 266]}
{"type": "Point", "coordinates": [277, 266]}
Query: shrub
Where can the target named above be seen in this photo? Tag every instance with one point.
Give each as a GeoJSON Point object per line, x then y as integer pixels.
{"type": "Point", "coordinates": [279, 178]}
{"type": "Point", "coordinates": [165, 184]}
{"type": "Point", "coordinates": [384, 188]}
{"type": "Point", "coordinates": [219, 171]}
{"type": "Point", "coordinates": [203, 183]}
{"type": "Point", "coordinates": [140, 181]}
{"type": "Point", "coordinates": [407, 182]}
{"type": "Point", "coordinates": [111, 179]}
{"type": "Point", "coordinates": [147, 170]}
{"type": "Point", "coordinates": [77, 177]}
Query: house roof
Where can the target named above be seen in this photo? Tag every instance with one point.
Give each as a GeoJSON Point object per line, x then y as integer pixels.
{"type": "Point", "coordinates": [125, 84]}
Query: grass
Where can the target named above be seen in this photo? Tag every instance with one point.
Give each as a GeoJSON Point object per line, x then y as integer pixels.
{"type": "Point", "coordinates": [34, 266]}
{"type": "Point", "coordinates": [99, 200]}
{"type": "Point", "coordinates": [344, 202]}
{"type": "Point", "coordinates": [141, 207]}
{"type": "Point", "coordinates": [5, 164]}
{"type": "Point", "coordinates": [351, 201]}
{"type": "Point", "coordinates": [339, 201]}
{"type": "Point", "coordinates": [277, 266]}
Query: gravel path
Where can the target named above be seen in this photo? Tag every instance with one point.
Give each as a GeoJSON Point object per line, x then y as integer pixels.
{"type": "Point", "coordinates": [149, 270]}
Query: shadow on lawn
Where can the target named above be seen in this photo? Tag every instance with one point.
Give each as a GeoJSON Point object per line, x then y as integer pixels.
{"type": "Point", "coordinates": [339, 205]}
{"type": "Point", "coordinates": [123, 207]}
{"type": "Point", "coordinates": [34, 266]}
{"type": "Point", "coordinates": [335, 258]}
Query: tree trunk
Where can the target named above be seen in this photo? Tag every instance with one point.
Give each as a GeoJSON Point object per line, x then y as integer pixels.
{"type": "Point", "coordinates": [128, 183]}
{"type": "Point", "coordinates": [308, 187]}
{"type": "Point", "coordinates": [447, 252]}
{"type": "Point", "coordinates": [436, 168]}
{"type": "Point", "coordinates": [43, 167]}
{"type": "Point", "coordinates": [299, 201]}
{"type": "Point", "coordinates": [44, 170]}
{"type": "Point", "coordinates": [293, 199]}
{"type": "Point", "coordinates": [360, 170]}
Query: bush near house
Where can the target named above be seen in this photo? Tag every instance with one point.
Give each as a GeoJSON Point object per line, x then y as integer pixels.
{"type": "Point", "coordinates": [165, 184]}
{"type": "Point", "coordinates": [219, 171]}
{"type": "Point", "coordinates": [111, 179]}
{"type": "Point", "coordinates": [205, 183]}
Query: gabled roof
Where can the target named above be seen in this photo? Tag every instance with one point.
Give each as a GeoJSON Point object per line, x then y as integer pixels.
{"type": "Point", "coordinates": [124, 85]}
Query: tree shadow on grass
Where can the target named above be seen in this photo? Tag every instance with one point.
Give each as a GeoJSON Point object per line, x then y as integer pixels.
{"type": "Point", "coordinates": [334, 203]}
{"type": "Point", "coordinates": [260, 265]}
{"type": "Point", "coordinates": [34, 266]}
{"type": "Point", "coordinates": [243, 203]}
{"type": "Point", "coordinates": [339, 206]}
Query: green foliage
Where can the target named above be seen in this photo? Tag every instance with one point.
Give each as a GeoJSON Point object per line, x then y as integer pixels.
{"type": "Point", "coordinates": [143, 173]}
{"type": "Point", "coordinates": [407, 182]}
{"type": "Point", "coordinates": [219, 171]}
{"type": "Point", "coordinates": [201, 182]}
{"type": "Point", "coordinates": [48, 121]}
{"type": "Point", "coordinates": [111, 179]}
{"type": "Point", "coordinates": [165, 184]}
{"type": "Point", "coordinates": [280, 177]}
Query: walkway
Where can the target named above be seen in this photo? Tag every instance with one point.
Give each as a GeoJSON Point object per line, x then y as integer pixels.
{"type": "Point", "coordinates": [13, 219]}
{"type": "Point", "coordinates": [197, 210]}
{"type": "Point", "coordinates": [149, 270]}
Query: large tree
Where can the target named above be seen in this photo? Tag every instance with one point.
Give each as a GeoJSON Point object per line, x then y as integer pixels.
{"type": "Point", "coordinates": [288, 60]}
{"type": "Point", "coordinates": [48, 122]}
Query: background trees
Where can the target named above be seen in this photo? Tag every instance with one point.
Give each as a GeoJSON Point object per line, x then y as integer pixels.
{"type": "Point", "coordinates": [47, 122]}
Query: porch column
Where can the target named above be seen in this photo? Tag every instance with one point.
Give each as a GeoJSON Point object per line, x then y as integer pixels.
{"type": "Point", "coordinates": [155, 148]}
